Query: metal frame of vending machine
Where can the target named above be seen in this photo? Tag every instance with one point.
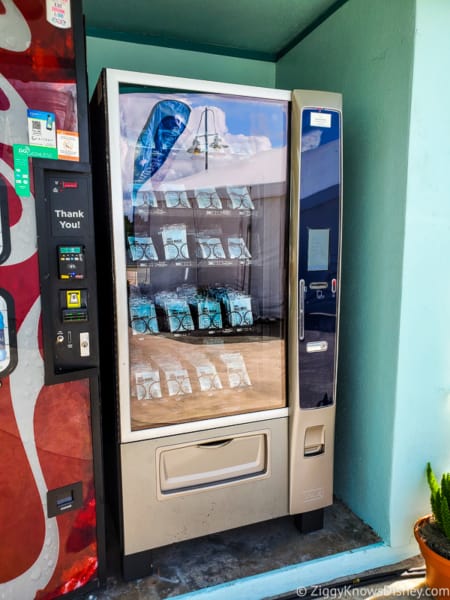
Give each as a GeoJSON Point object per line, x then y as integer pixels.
{"type": "Point", "coordinates": [315, 266]}
{"type": "Point", "coordinates": [51, 478]}
{"type": "Point", "coordinates": [191, 180]}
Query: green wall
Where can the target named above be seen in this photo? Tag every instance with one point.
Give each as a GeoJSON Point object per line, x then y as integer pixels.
{"type": "Point", "coordinates": [365, 51]}
{"type": "Point", "coordinates": [170, 61]}
{"type": "Point", "coordinates": [422, 420]}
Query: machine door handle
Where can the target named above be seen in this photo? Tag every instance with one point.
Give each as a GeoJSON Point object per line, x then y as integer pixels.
{"type": "Point", "coordinates": [301, 310]}
{"type": "Point", "coordinates": [215, 444]}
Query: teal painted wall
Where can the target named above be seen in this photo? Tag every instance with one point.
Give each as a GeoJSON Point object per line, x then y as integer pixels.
{"type": "Point", "coordinates": [365, 51]}
{"type": "Point", "coordinates": [422, 418]}
{"type": "Point", "coordinates": [170, 61]}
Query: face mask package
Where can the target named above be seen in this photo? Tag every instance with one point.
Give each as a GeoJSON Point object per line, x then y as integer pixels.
{"type": "Point", "coordinates": [236, 369]}
{"type": "Point", "coordinates": [176, 199]}
{"type": "Point", "coordinates": [163, 296]}
{"type": "Point", "coordinates": [142, 315]}
{"type": "Point", "coordinates": [237, 248]}
{"type": "Point", "coordinates": [240, 198]}
{"type": "Point", "coordinates": [177, 379]}
{"type": "Point", "coordinates": [142, 202]}
{"type": "Point", "coordinates": [175, 242]}
{"type": "Point", "coordinates": [176, 376]}
{"type": "Point", "coordinates": [219, 291]}
{"type": "Point", "coordinates": [147, 198]}
{"type": "Point", "coordinates": [142, 248]}
{"type": "Point", "coordinates": [178, 315]}
{"type": "Point", "coordinates": [210, 248]}
{"type": "Point", "coordinates": [237, 306]}
{"type": "Point", "coordinates": [148, 385]}
{"type": "Point", "coordinates": [208, 313]}
{"type": "Point", "coordinates": [208, 198]}
{"type": "Point", "coordinates": [208, 379]}
{"type": "Point", "coordinates": [239, 310]}
{"type": "Point", "coordinates": [187, 290]}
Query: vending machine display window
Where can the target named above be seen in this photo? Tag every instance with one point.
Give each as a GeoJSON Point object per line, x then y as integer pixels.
{"type": "Point", "coordinates": [204, 218]}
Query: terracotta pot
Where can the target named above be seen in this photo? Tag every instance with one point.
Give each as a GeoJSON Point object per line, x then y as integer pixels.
{"type": "Point", "coordinates": [438, 567]}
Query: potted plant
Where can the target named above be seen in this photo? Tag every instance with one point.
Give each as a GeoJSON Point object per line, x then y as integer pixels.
{"type": "Point", "coordinates": [432, 533]}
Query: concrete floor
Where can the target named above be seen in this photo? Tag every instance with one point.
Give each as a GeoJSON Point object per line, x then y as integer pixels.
{"type": "Point", "coordinates": [226, 556]}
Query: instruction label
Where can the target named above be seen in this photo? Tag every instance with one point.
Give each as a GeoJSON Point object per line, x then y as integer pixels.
{"type": "Point", "coordinates": [68, 145]}
{"type": "Point", "coordinates": [21, 154]}
{"type": "Point", "coordinates": [41, 128]}
{"type": "Point", "coordinates": [320, 119]}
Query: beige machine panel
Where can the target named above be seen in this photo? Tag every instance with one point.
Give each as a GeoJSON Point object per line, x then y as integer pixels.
{"type": "Point", "coordinates": [312, 437]}
{"type": "Point", "coordinates": [188, 466]}
{"type": "Point", "coordinates": [244, 480]}
{"type": "Point", "coordinates": [311, 431]}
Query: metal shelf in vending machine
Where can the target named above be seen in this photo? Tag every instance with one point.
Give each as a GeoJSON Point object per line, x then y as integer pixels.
{"type": "Point", "coordinates": [193, 224]}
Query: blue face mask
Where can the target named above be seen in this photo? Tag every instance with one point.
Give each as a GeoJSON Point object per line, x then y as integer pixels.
{"type": "Point", "coordinates": [142, 249]}
{"type": "Point", "coordinates": [175, 242]}
{"type": "Point", "coordinates": [178, 315]}
{"type": "Point", "coordinates": [176, 199]}
{"type": "Point", "coordinates": [210, 248]}
{"type": "Point", "coordinates": [240, 198]}
{"type": "Point", "coordinates": [143, 318]}
{"type": "Point", "coordinates": [237, 248]}
{"type": "Point", "coordinates": [208, 198]}
{"type": "Point", "coordinates": [209, 315]}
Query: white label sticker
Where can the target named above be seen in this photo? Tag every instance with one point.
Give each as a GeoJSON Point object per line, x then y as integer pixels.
{"type": "Point", "coordinates": [41, 128]}
{"type": "Point", "coordinates": [58, 13]}
{"type": "Point", "coordinates": [318, 249]}
{"type": "Point", "coordinates": [319, 119]}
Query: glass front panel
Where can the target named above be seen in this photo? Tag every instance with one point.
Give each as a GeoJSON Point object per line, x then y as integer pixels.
{"type": "Point", "coordinates": [205, 207]}
{"type": "Point", "coordinates": [320, 191]}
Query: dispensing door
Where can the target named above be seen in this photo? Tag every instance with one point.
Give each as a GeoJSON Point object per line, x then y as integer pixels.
{"type": "Point", "coordinates": [315, 279]}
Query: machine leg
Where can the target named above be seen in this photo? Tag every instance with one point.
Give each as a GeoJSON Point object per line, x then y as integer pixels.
{"type": "Point", "coordinates": [135, 566]}
{"type": "Point", "coordinates": [309, 521]}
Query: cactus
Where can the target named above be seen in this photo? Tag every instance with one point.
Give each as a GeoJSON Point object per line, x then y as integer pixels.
{"type": "Point", "coordinates": [440, 500]}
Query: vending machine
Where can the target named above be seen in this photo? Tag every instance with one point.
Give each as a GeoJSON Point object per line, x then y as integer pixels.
{"type": "Point", "coordinates": [192, 188]}
{"type": "Point", "coordinates": [51, 500]}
